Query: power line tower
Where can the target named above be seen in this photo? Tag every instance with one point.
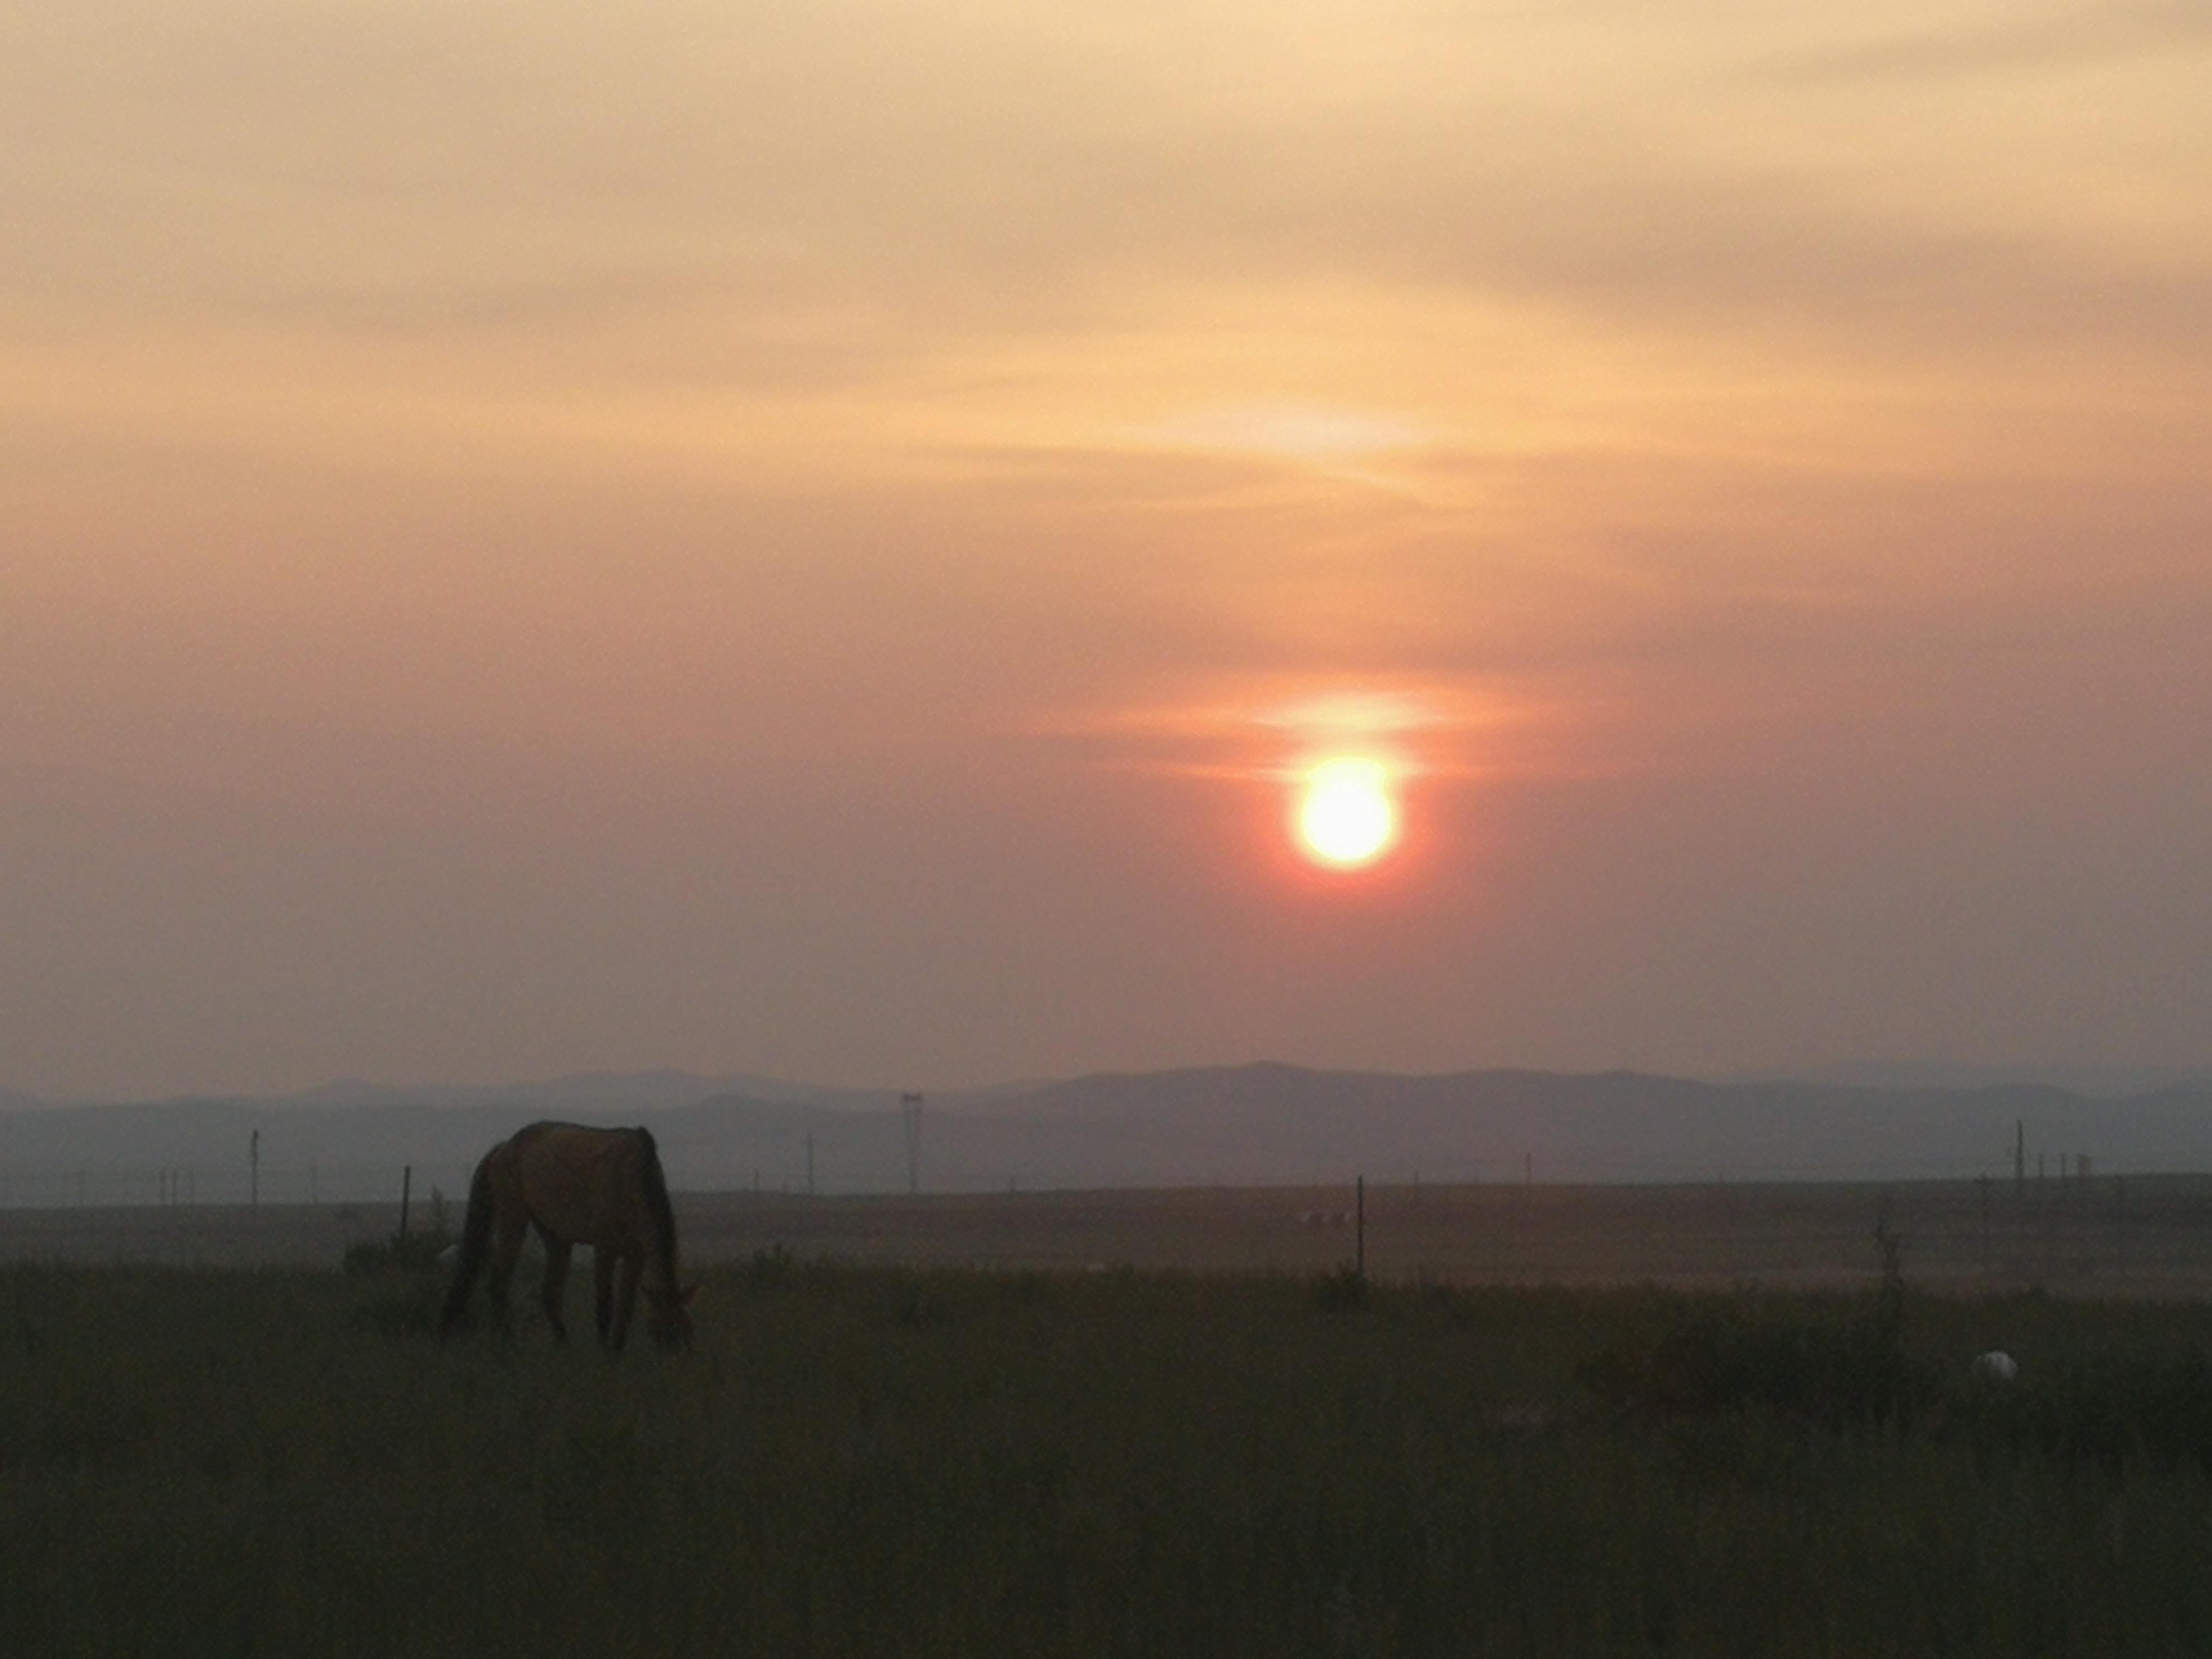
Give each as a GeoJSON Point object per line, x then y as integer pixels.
{"type": "Point", "coordinates": [910, 1120]}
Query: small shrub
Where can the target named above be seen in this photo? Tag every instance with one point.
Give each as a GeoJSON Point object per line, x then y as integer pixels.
{"type": "Point", "coordinates": [416, 1252]}
{"type": "Point", "coordinates": [1843, 1369]}
{"type": "Point", "coordinates": [2158, 1410]}
{"type": "Point", "coordinates": [1345, 1291]}
{"type": "Point", "coordinates": [1847, 1372]}
{"type": "Point", "coordinates": [408, 1253]}
{"type": "Point", "coordinates": [769, 1270]}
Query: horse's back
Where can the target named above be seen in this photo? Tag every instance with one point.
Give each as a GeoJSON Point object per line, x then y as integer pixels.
{"type": "Point", "coordinates": [582, 1183]}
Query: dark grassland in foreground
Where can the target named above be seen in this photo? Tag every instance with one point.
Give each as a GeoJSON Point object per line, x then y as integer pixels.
{"type": "Point", "coordinates": [886, 1461]}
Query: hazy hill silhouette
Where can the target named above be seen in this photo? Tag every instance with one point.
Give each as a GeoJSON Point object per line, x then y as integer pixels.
{"type": "Point", "coordinates": [1249, 1124]}
{"type": "Point", "coordinates": [1270, 1122]}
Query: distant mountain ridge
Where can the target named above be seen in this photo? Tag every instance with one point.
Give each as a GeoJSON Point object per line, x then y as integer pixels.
{"type": "Point", "coordinates": [1261, 1124]}
{"type": "Point", "coordinates": [2095, 1081]}
{"type": "Point", "coordinates": [661, 1090]}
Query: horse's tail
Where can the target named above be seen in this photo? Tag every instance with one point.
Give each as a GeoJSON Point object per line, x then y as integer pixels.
{"type": "Point", "coordinates": [476, 1238]}
{"type": "Point", "coordinates": [653, 1186]}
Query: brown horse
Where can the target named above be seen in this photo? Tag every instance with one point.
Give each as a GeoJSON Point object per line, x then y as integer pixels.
{"type": "Point", "coordinates": [577, 1186]}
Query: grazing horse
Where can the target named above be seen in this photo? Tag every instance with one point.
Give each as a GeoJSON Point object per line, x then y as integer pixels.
{"type": "Point", "coordinates": [577, 1186]}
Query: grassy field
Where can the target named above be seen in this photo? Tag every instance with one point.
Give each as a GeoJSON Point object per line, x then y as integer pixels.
{"type": "Point", "coordinates": [872, 1460]}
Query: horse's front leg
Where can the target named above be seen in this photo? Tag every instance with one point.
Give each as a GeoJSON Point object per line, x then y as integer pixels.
{"type": "Point", "coordinates": [626, 1271]}
{"type": "Point", "coordinates": [602, 1274]}
{"type": "Point", "coordinates": [556, 1280]}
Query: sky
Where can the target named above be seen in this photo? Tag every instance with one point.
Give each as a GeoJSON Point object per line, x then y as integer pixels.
{"type": "Point", "coordinates": [821, 538]}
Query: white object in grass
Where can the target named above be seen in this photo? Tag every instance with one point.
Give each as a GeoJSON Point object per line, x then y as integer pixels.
{"type": "Point", "coordinates": [1997, 1366]}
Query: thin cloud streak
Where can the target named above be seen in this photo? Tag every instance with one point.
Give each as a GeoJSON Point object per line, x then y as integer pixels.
{"type": "Point", "coordinates": [1068, 177]}
{"type": "Point", "coordinates": [1274, 734]}
{"type": "Point", "coordinates": [2064, 36]}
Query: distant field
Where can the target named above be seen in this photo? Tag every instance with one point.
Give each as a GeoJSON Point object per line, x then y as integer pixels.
{"type": "Point", "coordinates": [2146, 1236]}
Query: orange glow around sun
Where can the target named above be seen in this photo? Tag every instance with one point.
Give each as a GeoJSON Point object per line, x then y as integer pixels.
{"type": "Point", "coordinates": [1345, 816]}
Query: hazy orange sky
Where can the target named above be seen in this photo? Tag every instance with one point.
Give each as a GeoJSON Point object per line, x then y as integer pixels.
{"type": "Point", "coordinates": [808, 537]}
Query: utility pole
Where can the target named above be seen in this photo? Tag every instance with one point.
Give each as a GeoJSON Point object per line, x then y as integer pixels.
{"type": "Point", "coordinates": [910, 1120]}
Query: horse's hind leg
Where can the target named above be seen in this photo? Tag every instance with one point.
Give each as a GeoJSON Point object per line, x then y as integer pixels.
{"type": "Point", "coordinates": [602, 1276]}
{"type": "Point", "coordinates": [556, 1280]}
{"type": "Point", "coordinates": [506, 1246]}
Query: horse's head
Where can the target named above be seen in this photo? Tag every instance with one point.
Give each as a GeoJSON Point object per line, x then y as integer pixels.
{"type": "Point", "coordinates": [668, 1318]}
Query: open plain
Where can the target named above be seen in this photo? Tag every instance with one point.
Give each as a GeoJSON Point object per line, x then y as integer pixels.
{"type": "Point", "coordinates": [1549, 1421]}
{"type": "Point", "coordinates": [2137, 1235]}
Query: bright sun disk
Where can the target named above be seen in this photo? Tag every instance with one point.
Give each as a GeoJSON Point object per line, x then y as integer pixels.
{"type": "Point", "coordinates": [1347, 816]}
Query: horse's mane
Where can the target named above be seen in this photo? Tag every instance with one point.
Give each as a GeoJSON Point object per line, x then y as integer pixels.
{"type": "Point", "coordinates": [657, 1210]}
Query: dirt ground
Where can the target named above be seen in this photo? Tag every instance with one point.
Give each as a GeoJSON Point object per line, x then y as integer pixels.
{"type": "Point", "coordinates": [2134, 1235]}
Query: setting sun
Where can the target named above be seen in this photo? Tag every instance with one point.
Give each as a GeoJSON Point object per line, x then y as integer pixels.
{"type": "Point", "coordinates": [1347, 816]}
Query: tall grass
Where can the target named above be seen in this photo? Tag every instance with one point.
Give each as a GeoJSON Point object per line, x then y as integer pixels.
{"type": "Point", "coordinates": [878, 1463]}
